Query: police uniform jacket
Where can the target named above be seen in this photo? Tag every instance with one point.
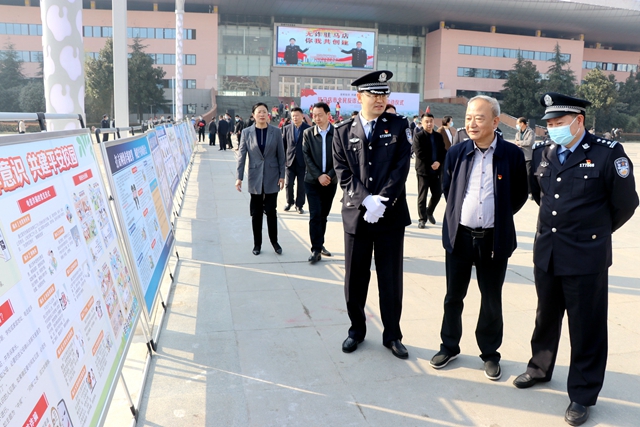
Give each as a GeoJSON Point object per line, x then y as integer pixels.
{"type": "Point", "coordinates": [358, 57]}
{"type": "Point", "coordinates": [581, 203]}
{"type": "Point", "coordinates": [379, 167]}
{"type": "Point", "coordinates": [509, 189]}
{"type": "Point", "coordinates": [293, 146]}
{"type": "Point", "coordinates": [291, 54]}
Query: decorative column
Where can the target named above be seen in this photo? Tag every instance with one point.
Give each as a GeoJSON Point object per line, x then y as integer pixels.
{"type": "Point", "coordinates": [120, 63]}
{"type": "Point", "coordinates": [179, 57]}
{"type": "Point", "coordinates": [63, 56]}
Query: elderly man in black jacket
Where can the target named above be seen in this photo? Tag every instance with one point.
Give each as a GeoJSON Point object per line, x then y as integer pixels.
{"type": "Point", "coordinates": [428, 147]}
{"type": "Point", "coordinates": [485, 184]}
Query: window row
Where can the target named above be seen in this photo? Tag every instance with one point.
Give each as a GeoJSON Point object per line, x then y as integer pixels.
{"type": "Point", "coordinates": [20, 29]}
{"type": "Point", "coordinates": [482, 73]}
{"type": "Point", "coordinates": [139, 32]}
{"type": "Point", "coordinates": [186, 83]}
{"type": "Point", "coordinates": [170, 59]}
{"type": "Point", "coordinates": [510, 53]}
{"type": "Point", "coordinates": [609, 66]}
{"type": "Point", "coordinates": [25, 55]}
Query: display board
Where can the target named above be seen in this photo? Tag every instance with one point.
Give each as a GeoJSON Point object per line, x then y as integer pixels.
{"type": "Point", "coordinates": [67, 300]}
{"type": "Point", "coordinates": [169, 158]}
{"type": "Point", "coordinates": [141, 210]}
{"type": "Point", "coordinates": [301, 46]}
{"type": "Point", "coordinates": [407, 104]}
{"type": "Point", "coordinates": [175, 139]}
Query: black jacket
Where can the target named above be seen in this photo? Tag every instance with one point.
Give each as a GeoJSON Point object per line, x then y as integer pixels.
{"type": "Point", "coordinates": [379, 167]}
{"type": "Point", "coordinates": [582, 202]}
{"type": "Point", "coordinates": [358, 57]}
{"type": "Point", "coordinates": [223, 127]}
{"type": "Point", "coordinates": [293, 147]}
{"type": "Point", "coordinates": [424, 152]}
{"type": "Point", "coordinates": [291, 54]}
{"type": "Point", "coordinates": [213, 128]}
{"type": "Point", "coordinates": [312, 151]}
{"type": "Point", "coordinates": [509, 186]}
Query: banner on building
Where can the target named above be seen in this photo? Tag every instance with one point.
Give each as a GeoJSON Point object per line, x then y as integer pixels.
{"type": "Point", "coordinates": [306, 46]}
{"type": "Point", "coordinates": [344, 102]}
{"type": "Point", "coordinates": [68, 305]}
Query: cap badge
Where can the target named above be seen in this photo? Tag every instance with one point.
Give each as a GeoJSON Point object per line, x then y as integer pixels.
{"type": "Point", "coordinates": [382, 78]}
{"type": "Point", "coordinates": [548, 101]}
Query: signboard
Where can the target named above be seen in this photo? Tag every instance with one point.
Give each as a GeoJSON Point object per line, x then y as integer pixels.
{"type": "Point", "coordinates": [407, 104]}
{"type": "Point", "coordinates": [67, 303]}
{"type": "Point", "coordinates": [139, 203]}
{"type": "Point", "coordinates": [323, 47]}
{"type": "Point", "coordinates": [170, 161]}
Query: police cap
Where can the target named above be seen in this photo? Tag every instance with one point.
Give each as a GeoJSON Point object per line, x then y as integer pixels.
{"type": "Point", "coordinates": [558, 105]}
{"type": "Point", "coordinates": [375, 82]}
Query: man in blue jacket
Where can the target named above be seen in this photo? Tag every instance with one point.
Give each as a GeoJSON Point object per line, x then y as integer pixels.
{"type": "Point", "coordinates": [485, 184]}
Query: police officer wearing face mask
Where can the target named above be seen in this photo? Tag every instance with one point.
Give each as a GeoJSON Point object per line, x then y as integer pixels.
{"type": "Point", "coordinates": [586, 191]}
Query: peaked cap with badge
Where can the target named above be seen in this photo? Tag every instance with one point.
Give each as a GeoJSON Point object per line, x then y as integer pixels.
{"type": "Point", "coordinates": [558, 105]}
{"type": "Point", "coordinates": [375, 82]}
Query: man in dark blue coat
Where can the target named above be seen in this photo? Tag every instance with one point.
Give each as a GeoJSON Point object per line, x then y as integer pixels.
{"type": "Point", "coordinates": [295, 167]}
{"type": "Point", "coordinates": [371, 157]}
{"type": "Point", "coordinates": [223, 129]}
{"type": "Point", "coordinates": [485, 184]}
{"type": "Point", "coordinates": [586, 191]}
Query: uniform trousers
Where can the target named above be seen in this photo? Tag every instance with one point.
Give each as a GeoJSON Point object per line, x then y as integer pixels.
{"type": "Point", "coordinates": [295, 172]}
{"type": "Point", "coordinates": [258, 206]}
{"type": "Point", "coordinates": [585, 298]}
{"type": "Point", "coordinates": [222, 138]}
{"type": "Point", "coordinates": [427, 183]}
{"type": "Point", "coordinates": [470, 249]}
{"type": "Point", "coordinates": [387, 248]}
{"type": "Point", "coordinates": [212, 138]}
{"type": "Point", "coordinates": [320, 198]}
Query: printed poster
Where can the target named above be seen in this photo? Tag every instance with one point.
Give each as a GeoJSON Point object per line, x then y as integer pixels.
{"type": "Point", "coordinates": [169, 159]}
{"type": "Point", "coordinates": [67, 304]}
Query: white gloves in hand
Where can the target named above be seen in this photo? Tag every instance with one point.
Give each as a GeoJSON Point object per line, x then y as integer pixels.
{"type": "Point", "coordinates": [371, 218]}
{"type": "Point", "coordinates": [374, 205]}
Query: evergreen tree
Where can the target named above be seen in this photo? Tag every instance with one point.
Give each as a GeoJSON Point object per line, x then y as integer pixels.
{"type": "Point", "coordinates": [629, 94]}
{"type": "Point", "coordinates": [32, 97]}
{"type": "Point", "coordinates": [601, 91]}
{"type": "Point", "coordinates": [560, 80]}
{"type": "Point", "coordinates": [145, 81]}
{"type": "Point", "coordinates": [11, 79]}
{"type": "Point", "coordinates": [99, 84]}
{"type": "Point", "coordinates": [522, 90]}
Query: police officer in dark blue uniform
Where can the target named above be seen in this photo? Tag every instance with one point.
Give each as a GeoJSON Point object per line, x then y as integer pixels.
{"type": "Point", "coordinates": [291, 52]}
{"type": "Point", "coordinates": [371, 156]}
{"type": "Point", "coordinates": [586, 191]}
{"type": "Point", "coordinates": [358, 56]}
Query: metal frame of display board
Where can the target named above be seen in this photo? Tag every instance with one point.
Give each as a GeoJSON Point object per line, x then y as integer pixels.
{"type": "Point", "coordinates": [40, 118]}
{"type": "Point", "coordinates": [43, 136]}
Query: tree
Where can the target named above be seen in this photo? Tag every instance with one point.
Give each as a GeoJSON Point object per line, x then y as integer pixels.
{"type": "Point", "coordinates": [99, 84]}
{"type": "Point", "coordinates": [629, 94]}
{"type": "Point", "coordinates": [522, 90]}
{"type": "Point", "coordinates": [145, 80]}
{"type": "Point", "coordinates": [560, 80]}
{"type": "Point", "coordinates": [601, 91]}
{"type": "Point", "coordinates": [11, 79]}
{"type": "Point", "coordinates": [32, 97]}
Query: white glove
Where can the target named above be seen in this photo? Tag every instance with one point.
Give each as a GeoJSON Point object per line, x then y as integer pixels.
{"type": "Point", "coordinates": [374, 204]}
{"type": "Point", "coordinates": [371, 218]}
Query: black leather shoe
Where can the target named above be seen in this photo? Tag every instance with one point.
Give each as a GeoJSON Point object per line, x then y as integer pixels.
{"type": "Point", "coordinates": [350, 345]}
{"type": "Point", "coordinates": [431, 219]}
{"type": "Point", "coordinates": [576, 414]}
{"type": "Point", "coordinates": [287, 207]}
{"type": "Point", "coordinates": [325, 252]}
{"type": "Point", "coordinates": [398, 349]}
{"type": "Point", "coordinates": [299, 210]}
{"type": "Point", "coordinates": [525, 381]}
{"type": "Point", "coordinates": [256, 250]}
{"type": "Point", "coordinates": [492, 370]}
{"type": "Point", "coordinates": [421, 224]}
{"type": "Point", "coordinates": [315, 257]}
{"type": "Point", "coordinates": [277, 248]}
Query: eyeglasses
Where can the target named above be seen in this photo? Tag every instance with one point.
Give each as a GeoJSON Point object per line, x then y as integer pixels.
{"type": "Point", "coordinates": [371, 95]}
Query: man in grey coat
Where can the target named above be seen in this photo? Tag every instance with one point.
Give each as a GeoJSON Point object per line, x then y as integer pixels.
{"type": "Point", "coordinates": [525, 138]}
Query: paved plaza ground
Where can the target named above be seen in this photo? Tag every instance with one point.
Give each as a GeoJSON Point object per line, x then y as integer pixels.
{"type": "Point", "coordinates": [256, 341]}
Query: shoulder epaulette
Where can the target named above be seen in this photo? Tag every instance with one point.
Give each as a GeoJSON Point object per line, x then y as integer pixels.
{"type": "Point", "coordinates": [540, 144]}
{"type": "Point", "coordinates": [606, 142]}
{"type": "Point", "coordinates": [342, 123]}
{"type": "Point", "coordinates": [462, 128]}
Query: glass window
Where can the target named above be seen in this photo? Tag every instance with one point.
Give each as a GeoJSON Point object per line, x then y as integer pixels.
{"type": "Point", "coordinates": [33, 29]}
{"type": "Point", "coordinates": [129, 32]}
{"type": "Point", "coordinates": [24, 29]}
{"type": "Point", "coordinates": [190, 60]}
{"type": "Point", "coordinates": [494, 51]}
{"type": "Point", "coordinates": [474, 50]}
{"type": "Point", "coordinates": [190, 84]}
{"type": "Point", "coordinates": [88, 31]}
{"type": "Point", "coordinates": [39, 29]}
{"type": "Point", "coordinates": [107, 32]}
{"type": "Point", "coordinates": [467, 50]}
{"type": "Point", "coordinates": [460, 48]}
{"type": "Point", "coordinates": [159, 33]}
{"type": "Point", "coordinates": [3, 28]}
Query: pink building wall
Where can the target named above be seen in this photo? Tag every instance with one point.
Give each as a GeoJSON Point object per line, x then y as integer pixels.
{"type": "Point", "coordinates": [443, 44]}
{"type": "Point", "coordinates": [613, 56]}
{"type": "Point", "coordinates": [205, 72]}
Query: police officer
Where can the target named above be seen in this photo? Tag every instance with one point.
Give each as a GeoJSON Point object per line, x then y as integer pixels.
{"type": "Point", "coordinates": [358, 56]}
{"type": "Point", "coordinates": [371, 156]}
{"type": "Point", "coordinates": [291, 53]}
{"type": "Point", "coordinates": [586, 191]}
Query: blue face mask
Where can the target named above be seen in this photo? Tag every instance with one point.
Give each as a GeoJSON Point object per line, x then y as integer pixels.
{"type": "Point", "coordinates": [451, 124]}
{"type": "Point", "coordinates": [562, 135]}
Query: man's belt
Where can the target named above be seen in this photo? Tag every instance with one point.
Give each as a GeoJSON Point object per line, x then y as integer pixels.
{"type": "Point", "coordinates": [478, 233]}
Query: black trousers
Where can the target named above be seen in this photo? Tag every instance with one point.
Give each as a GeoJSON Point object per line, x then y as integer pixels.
{"type": "Point", "coordinates": [212, 138]}
{"type": "Point", "coordinates": [201, 134]}
{"type": "Point", "coordinates": [228, 140]}
{"type": "Point", "coordinates": [295, 172]}
{"type": "Point", "coordinates": [320, 199]}
{"type": "Point", "coordinates": [490, 272]}
{"type": "Point", "coordinates": [387, 249]}
{"type": "Point", "coordinates": [222, 138]}
{"type": "Point", "coordinates": [426, 183]}
{"type": "Point", "coordinates": [528, 165]}
{"type": "Point", "coordinates": [259, 205]}
{"type": "Point", "coordinates": [585, 298]}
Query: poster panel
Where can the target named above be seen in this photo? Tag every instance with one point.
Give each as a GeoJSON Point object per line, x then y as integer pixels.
{"type": "Point", "coordinates": [140, 206]}
{"type": "Point", "coordinates": [67, 302]}
{"type": "Point", "coordinates": [163, 179]}
{"type": "Point", "coordinates": [407, 104]}
{"type": "Point", "coordinates": [169, 159]}
{"type": "Point", "coordinates": [186, 141]}
{"type": "Point", "coordinates": [322, 47]}
{"type": "Point", "coordinates": [174, 135]}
